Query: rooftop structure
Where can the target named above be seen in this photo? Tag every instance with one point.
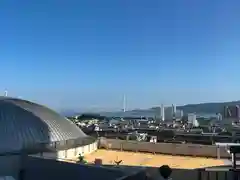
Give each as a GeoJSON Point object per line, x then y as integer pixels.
{"type": "Point", "coordinates": [30, 128]}
{"type": "Point", "coordinates": [24, 124]}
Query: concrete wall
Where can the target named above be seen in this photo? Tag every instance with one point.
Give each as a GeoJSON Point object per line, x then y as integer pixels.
{"type": "Point", "coordinates": [43, 169]}
{"type": "Point", "coordinates": [164, 148]}
{"type": "Point", "coordinates": [70, 153]}
{"type": "Point", "coordinates": [141, 175]}
{"type": "Point", "coordinates": [193, 174]}
{"type": "Point", "coordinates": [180, 174]}
{"type": "Point", "coordinates": [9, 165]}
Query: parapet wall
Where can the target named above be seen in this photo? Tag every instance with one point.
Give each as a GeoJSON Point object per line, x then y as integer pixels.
{"type": "Point", "coordinates": [197, 150]}
{"type": "Point", "coordinates": [70, 154]}
{"type": "Point", "coordinates": [43, 169]}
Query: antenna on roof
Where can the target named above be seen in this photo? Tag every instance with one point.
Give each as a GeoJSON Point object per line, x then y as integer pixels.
{"type": "Point", "coordinates": [5, 93]}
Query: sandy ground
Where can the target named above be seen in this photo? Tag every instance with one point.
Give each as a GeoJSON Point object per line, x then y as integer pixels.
{"type": "Point", "coordinates": [145, 159]}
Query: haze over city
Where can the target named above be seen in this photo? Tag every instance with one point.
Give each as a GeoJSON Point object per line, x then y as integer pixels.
{"type": "Point", "coordinates": [87, 54]}
{"type": "Point", "coordinates": [119, 90]}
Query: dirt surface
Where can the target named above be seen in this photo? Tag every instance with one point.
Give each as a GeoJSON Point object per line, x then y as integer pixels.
{"type": "Point", "coordinates": [147, 159]}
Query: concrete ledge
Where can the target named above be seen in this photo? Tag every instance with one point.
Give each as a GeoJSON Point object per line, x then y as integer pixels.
{"type": "Point", "coordinates": [197, 150]}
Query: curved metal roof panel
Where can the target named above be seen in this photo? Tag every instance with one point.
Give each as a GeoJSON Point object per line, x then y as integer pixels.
{"type": "Point", "coordinates": [23, 122]}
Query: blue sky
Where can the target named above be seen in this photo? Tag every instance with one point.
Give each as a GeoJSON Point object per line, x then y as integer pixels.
{"type": "Point", "coordinates": [87, 54]}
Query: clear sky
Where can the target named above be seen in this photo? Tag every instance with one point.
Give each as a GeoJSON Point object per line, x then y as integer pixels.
{"type": "Point", "coordinates": [86, 54]}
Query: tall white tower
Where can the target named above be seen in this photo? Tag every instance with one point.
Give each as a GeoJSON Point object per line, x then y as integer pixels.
{"type": "Point", "coordinates": [124, 103]}
{"type": "Point", "coordinates": [162, 112]}
{"type": "Point", "coordinates": [174, 110]}
{"type": "Point", "coordinates": [5, 93]}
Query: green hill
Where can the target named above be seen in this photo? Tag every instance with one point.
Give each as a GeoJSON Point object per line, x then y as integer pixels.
{"type": "Point", "coordinates": [207, 107]}
{"type": "Point", "coordinates": [203, 108]}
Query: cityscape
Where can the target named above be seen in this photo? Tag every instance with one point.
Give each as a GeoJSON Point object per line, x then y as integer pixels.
{"type": "Point", "coordinates": [119, 90]}
{"type": "Point", "coordinates": [94, 141]}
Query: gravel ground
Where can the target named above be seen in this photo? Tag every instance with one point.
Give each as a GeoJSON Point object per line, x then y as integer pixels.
{"type": "Point", "coordinates": [146, 159]}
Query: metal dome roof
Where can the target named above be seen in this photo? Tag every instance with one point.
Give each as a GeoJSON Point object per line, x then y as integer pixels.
{"type": "Point", "coordinates": [23, 122]}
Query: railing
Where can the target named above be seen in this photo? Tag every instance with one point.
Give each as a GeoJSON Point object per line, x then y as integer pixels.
{"type": "Point", "coordinates": [219, 173]}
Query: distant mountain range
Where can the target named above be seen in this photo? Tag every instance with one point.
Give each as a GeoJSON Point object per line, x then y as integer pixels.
{"type": "Point", "coordinates": [203, 108]}
{"type": "Point", "coordinates": [209, 108]}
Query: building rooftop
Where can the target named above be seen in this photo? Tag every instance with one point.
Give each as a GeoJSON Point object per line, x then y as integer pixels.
{"type": "Point", "coordinates": [147, 159]}
{"type": "Point", "coordinates": [24, 124]}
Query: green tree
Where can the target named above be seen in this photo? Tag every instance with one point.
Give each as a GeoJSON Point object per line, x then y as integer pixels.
{"type": "Point", "coordinates": [81, 159]}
